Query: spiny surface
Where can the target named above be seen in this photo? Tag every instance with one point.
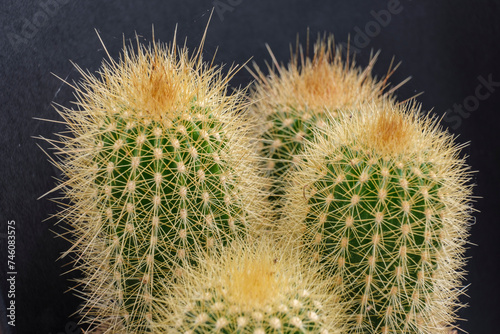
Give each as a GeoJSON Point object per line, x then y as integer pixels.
{"type": "Point", "coordinates": [382, 202]}
{"type": "Point", "coordinates": [158, 170]}
{"type": "Point", "coordinates": [255, 288]}
{"type": "Point", "coordinates": [290, 103]}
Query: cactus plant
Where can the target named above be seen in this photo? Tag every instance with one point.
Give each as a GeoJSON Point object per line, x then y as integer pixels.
{"type": "Point", "coordinates": [291, 102]}
{"type": "Point", "coordinates": [254, 287]}
{"type": "Point", "coordinates": [381, 199]}
{"type": "Point", "coordinates": [158, 170]}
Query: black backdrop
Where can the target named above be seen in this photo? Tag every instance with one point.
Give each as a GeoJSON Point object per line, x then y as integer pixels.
{"type": "Point", "coordinates": [448, 47]}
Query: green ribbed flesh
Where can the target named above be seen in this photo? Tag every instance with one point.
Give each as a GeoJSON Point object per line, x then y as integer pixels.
{"type": "Point", "coordinates": [184, 219]}
{"type": "Point", "coordinates": [292, 128]}
{"type": "Point", "coordinates": [367, 249]}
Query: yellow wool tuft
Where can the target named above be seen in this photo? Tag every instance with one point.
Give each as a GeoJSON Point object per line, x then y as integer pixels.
{"type": "Point", "coordinates": [252, 282]}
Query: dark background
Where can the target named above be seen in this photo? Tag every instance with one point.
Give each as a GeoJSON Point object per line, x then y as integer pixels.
{"type": "Point", "coordinates": [446, 46]}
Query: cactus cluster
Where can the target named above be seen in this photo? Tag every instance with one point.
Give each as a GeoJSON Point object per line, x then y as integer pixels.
{"type": "Point", "coordinates": [255, 287]}
{"type": "Point", "coordinates": [157, 172]}
{"type": "Point", "coordinates": [381, 201]}
{"type": "Point", "coordinates": [292, 101]}
{"type": "Point", "coordinates": [167, 199]}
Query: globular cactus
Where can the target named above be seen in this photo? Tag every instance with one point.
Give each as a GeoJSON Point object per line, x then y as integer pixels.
{"type": "Point", "coordinates": [291, 102]}
{"type": "Point", "coordinates": [381, 200]}
{"type": "Point", "coordinates": [254, 287]}
{"type": "Point", "coordinates": [157, 170]}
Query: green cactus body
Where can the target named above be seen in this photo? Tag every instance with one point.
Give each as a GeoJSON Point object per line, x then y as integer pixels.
{"type": "Point", "coordinates": [381, 224]}
{"type": "Point", "coordinates": [167, 192]}
{"type": "Point", "coordinates": [159, 172]}
{"type": "Point", "coordinates": [291, 102]}
{"type": "Point", "coordinates": [387, 224]}
{"type": "Point", "coordinates": [284, 141]}
{"type": "Point", "coordinates": [255, 287]}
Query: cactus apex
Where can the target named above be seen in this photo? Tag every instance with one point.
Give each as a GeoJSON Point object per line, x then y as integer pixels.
{"type": "Point", "coordinates": [313, 84]}
{"type": "Point", "coordinates": [253, 286]}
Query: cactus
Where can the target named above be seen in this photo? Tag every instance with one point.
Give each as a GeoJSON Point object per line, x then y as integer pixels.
{"type": "Point", "coordinates": [291, 103]}
{"type": "Point", "coordinates": [254, 287]}
{"type": "Point", "coordinates": [382, 201]}
{"type": "Point", "coordinates": [157, 171]}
